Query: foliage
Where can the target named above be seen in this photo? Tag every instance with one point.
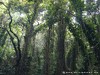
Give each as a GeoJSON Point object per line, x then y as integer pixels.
{"type": "Point", "coordinates": [48, 37]}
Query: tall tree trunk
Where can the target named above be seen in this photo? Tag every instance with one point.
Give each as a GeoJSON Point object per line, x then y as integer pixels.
{"type": "Point", "coordinates": [47, 53]}
{"type": "Point", "coordinates": [23, 68]}
{"type": "Point", "coordinates": [61, 67]}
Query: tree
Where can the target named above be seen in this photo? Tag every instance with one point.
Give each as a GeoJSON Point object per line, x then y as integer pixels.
{"type": "Point", "coordinates": [49, 37]}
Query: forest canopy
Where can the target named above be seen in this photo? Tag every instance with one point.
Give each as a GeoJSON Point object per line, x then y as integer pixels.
{"type": "Point", "coordinates": [49, 37]}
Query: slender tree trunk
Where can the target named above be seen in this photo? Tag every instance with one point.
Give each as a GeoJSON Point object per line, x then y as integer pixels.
{"type": "Point", "coordinates": [47, 53]}
{"type": "Point", "coordinates": [24, 66]}
{"type": "Point", "coordinates": [61, 67]}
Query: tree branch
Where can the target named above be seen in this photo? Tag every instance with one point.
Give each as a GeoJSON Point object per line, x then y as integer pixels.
{"type": "Point", "coordinates": [16, 47]}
